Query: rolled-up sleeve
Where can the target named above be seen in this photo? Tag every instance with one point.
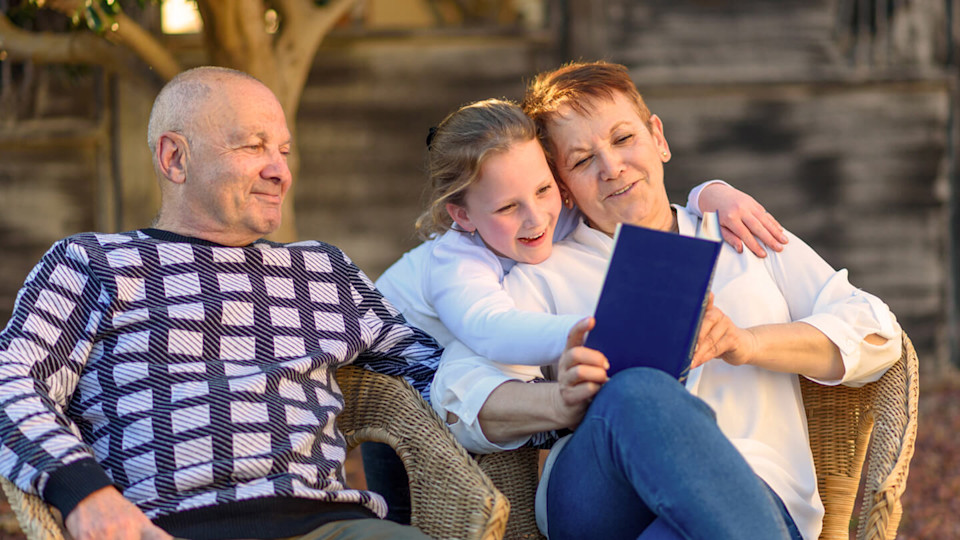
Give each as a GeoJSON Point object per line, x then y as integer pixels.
{"type": "Point", "coordinates": [462, 385]}
{"type": "Point", "coordinates": [823, 297]}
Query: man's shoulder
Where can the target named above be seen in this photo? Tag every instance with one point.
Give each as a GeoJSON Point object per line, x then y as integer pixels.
{"type": "Point", "coordinates": [314, 253]}
{"type": "Point", "coordinates": [85, 242]}
{"type": "Point", "coordinates": [301, 245]}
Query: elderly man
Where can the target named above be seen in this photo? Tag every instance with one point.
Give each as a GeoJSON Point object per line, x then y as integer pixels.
{"type": "Point", "coordinates": [178, 380]}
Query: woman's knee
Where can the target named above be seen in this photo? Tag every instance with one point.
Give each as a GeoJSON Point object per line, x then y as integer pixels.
{"type": "Point", "coordinates": [646, 391]}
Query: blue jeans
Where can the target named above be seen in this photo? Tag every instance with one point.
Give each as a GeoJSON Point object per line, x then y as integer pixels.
{"type": "Point", "coordinates": [649, 461]}
{"type": "Point", "coordinates": [386, 475]}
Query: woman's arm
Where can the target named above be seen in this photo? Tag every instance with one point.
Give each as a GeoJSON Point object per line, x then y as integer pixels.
{"type": "Point", "coordinates": [515, 409]}
{"type": "Point", "coordinates": [794, 347]}
{"type": "Point", "coordinates": [838, 333]}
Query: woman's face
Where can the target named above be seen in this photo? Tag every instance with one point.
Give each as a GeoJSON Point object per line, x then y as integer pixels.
{"type": "Point", "coordinates": [514, 204]}
{"type": "Point", "coordinates": [612, 164]}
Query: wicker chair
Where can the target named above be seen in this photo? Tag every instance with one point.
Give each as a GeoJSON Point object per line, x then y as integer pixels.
{"type": "Point", "coordinates": [877, 422]}
{"type": "Point", "coordinates": [451, 498]}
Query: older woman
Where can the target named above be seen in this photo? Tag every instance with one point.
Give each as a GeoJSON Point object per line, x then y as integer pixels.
{"type": "Point", "coordinates": [725, 457]}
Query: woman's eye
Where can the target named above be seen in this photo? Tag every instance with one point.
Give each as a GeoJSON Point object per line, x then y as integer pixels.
{"type": "Point", "coordinates": [581, 162]}
{"type": "Point", "coordinates": [624, 138]}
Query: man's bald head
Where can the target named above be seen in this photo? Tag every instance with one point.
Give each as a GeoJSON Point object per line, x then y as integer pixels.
{"type": "Point", "coordinates": [183, 97]}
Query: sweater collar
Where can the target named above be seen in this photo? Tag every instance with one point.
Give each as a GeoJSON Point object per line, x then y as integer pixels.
{"type": "Point", "coordinates": [160, 234]}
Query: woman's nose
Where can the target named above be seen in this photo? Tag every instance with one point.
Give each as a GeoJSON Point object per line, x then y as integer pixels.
{"type": "Point", "coordinates": [610, 164]}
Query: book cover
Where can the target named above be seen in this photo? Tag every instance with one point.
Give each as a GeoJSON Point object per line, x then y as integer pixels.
{"type": "Point", "coordinates": [653, 298]}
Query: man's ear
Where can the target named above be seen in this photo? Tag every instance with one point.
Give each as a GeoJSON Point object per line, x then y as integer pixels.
{"type": "Point", "coordinates": [459, 215]}
{"type": "Point", "coordinates": [172, 154]}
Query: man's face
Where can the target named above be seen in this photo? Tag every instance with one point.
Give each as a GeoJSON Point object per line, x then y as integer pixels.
{"type": "Point", "coordinates": [237, 174]}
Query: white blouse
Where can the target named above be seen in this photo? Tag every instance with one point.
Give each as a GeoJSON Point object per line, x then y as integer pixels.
{"type": "Point", "coordinates": [760, 411]}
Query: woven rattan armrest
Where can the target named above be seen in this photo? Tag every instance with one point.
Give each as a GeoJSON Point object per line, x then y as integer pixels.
{"type": "Point", "coordinates": [451, 498]}
{"type": "Point", "coordinates": [874, 425]}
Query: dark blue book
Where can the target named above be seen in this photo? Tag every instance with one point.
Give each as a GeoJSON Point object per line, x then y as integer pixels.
{"type": "Point", "coordinates": [653, 299]}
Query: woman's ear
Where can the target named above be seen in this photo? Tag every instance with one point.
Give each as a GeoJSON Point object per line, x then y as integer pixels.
{"type": "Point", "coordinates": [460, 216]}
{"type": "Point", "coordinates": [172, 154]}
{"type": "Point", "coordinates": [565, 195]}
{"type": "Point", "coordinates": [656, 131]}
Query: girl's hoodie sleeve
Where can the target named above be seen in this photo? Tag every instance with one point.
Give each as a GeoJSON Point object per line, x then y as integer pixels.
{"type": "Point", "coordinates": [464, 283]}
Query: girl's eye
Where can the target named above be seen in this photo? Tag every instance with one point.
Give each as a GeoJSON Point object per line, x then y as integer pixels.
{"type": "Point", "coordinates": [544, 189]}
{"type": "Point", "coordinates": [504, 209]}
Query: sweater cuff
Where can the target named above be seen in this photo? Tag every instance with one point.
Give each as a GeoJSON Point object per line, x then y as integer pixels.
{"type": "Point", "coordinates": [72, 483]}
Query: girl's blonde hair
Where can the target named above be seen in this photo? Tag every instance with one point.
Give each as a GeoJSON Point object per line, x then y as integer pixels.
{"type": "Point", "coordinates": [457, 150]}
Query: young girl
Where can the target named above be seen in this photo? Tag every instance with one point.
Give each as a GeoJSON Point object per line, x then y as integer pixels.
{"type": "Point", "coordinates": [493, 203]}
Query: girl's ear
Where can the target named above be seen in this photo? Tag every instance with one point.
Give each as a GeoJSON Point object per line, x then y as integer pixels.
{"type": "Point", "coordinates": [459, 215]}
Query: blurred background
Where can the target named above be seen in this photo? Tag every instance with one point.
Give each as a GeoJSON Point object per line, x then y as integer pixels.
{"type": "Point", "coordinates": [840, 116]}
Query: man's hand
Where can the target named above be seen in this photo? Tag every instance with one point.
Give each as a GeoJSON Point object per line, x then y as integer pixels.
{"type": "Point", "coordinates": [106, 515]}
{"type": "Point", "coordinates": [742, 219]}
{"type": "Point", "coordinates": [582, 372]}
{"type": "Point", "coordinates": [720, 338]}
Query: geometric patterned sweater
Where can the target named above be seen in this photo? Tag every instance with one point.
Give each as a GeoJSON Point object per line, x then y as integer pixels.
{"type": "Point", "coordinates": [192, 375]}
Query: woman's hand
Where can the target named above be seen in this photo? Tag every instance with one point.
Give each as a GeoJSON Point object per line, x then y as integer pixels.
{"type": "Point", "coordinates": [582, 372]}
{"type": "Point", "coordinates": [742, 219]}
{"type": "Point", "coordinates": [720, 338]}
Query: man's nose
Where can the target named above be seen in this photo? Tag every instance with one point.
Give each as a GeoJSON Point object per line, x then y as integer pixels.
{"type": "Point", "coordinates": [277, 169]}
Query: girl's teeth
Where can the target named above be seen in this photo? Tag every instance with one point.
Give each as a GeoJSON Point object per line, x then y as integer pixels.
{"type": "Point", "coordinates": [532, 238]}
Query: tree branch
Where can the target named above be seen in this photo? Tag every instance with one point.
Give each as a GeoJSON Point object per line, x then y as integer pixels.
{"type": "Point", "coordinates": [288, 9]}
{"type": "Point", "coordinates": [236, 36]}
{"type": "Point", "coordinates": [59, 48]}
{"type": "Point", "coordinates": [328, 16]}
{"type": "Point", "coordinates": [127, 32]}
{"type": "Point", "coordinates": [302, 29]}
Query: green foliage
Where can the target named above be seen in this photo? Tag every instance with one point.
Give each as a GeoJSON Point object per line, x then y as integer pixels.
{"type": "Point", "coordinates": [22, 13]}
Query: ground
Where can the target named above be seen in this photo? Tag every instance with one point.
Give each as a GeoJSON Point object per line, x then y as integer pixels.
{"type": "Point", "coordinates": [932, 499]}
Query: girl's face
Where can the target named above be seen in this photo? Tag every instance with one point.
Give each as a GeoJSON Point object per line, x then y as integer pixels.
{"type": "Point", "coordinates": [513, 205]}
